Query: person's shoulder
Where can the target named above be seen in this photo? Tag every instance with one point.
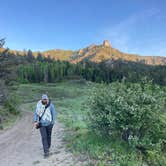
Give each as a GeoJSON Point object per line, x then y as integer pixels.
{"type": "Point", "coordinates": [39, 102]}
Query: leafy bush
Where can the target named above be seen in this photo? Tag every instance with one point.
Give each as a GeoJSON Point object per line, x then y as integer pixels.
{"type": "Point", "coordinates": [11, 105]}
{"type": "Point", "coordinates": [133, 112]}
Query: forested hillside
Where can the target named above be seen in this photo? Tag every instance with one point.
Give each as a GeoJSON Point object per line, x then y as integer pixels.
{"type": "Point", "coordinates": [94, 53]}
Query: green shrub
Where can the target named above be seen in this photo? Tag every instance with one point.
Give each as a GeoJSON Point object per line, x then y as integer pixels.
{"type": "Point", "coordinates": [130, 111]}
{"type": "Point", "coordinates": [11, 105]}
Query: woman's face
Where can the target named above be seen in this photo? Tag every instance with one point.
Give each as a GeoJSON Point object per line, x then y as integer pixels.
{"type": "Point", "coordinates": [44, 101]}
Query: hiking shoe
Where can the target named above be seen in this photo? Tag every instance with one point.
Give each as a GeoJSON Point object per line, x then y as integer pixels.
{"type": "Point", "coordinates": [46, 155]}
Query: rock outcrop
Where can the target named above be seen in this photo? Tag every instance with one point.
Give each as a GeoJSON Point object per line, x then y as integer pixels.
{"type": "Point", "coordinates": [92, 46]}
{"type": "Point", "coordinates": [80, 52]}
{"type": "Point", "coordinates": [106, 43]}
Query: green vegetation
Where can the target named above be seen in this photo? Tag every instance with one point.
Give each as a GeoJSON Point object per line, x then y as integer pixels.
{"type": "Point", "coordinates": [45, 72]}
{"type": "Point", "coordinates": [9, 111]}
{"type": "Point", "coordinates": [7, 119]}
{"type": "Point", "coordinates": [51, 71]}
{"type": "Point", "coordinates": [27, 67]}
{"type": "Point", "coordinates": [105, 140]}
{"type": "Point", "coordinates": [2, 42]}
{"type": "Point", "coordinates": [134, 113]}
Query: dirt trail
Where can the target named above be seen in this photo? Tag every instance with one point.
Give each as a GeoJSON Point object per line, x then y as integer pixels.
{"type": "Point", "coordinates": [21, 145]}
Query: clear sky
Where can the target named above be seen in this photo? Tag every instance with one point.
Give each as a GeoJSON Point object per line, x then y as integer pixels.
{"type": "Point", "coordinates": [132, 26]}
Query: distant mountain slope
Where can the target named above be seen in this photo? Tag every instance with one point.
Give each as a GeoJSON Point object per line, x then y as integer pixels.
{"type": "Point", "coordinates": [96, 53]}
{"type": "Point", "coordinates": [58, 54]}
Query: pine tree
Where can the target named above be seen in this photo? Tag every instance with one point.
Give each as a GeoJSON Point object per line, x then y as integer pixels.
{"type": "Point", "coordinates": [30, 56]}
{"type": "Point", "coordinates": [2, 42]}
{"type": "Point", "coordinates": [39, 57]}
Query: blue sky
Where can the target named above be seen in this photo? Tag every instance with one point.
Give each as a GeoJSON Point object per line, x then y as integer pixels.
{"type": "Point", "coordinates": [132, 26]}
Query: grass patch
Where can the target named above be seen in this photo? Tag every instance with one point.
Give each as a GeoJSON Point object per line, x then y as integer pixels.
{"type": "Point", "coordinates": [102, 151]}
{"type": "Point", "coordinates": [7, 119]}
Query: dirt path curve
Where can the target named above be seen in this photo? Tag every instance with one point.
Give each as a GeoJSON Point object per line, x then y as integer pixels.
{"type": "Point", "coordinates": [21, 145]}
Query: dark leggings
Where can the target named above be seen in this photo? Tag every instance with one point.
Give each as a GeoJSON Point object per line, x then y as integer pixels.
{"type": "Point", "coordinates": [45, 132]}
